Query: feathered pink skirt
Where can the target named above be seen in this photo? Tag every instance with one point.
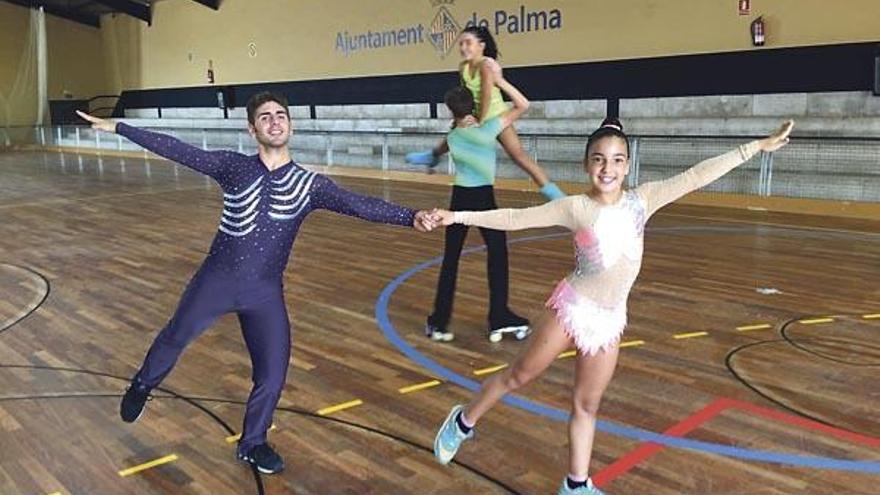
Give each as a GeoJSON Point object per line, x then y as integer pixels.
{"type": "Point", "coordinates": [590, 326]}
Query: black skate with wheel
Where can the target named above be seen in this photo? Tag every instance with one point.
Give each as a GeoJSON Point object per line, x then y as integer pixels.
{"type": "Point", "coordinates": [513, 325]}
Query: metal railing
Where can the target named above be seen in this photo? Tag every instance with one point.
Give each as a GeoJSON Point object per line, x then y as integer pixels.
{"type": "Point", "coordinates": [846, 169]}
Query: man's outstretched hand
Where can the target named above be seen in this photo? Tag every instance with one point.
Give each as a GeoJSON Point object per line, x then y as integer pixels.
{"type": "Point", "coordinates": [98, 123]}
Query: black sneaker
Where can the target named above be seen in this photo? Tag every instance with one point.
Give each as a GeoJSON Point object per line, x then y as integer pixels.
{"type": "Point", "coordinates": [262, 457]}
{"type": "Point", "coordinates": [438, 334]}
{"type": "Point", "coordinates": [132, 406]}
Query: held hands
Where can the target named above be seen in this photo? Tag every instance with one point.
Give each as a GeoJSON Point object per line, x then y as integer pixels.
{"type": "Point", "coordinates": [99, 123]}
{"type": "Point", "coordinates": [443, 218]}
{"type": "Point", "coordinates": [426, 221]}
{"type": "Point", "coordinates": [779, 138]}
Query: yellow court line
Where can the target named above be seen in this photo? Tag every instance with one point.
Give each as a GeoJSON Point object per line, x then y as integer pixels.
{"type": "Point", "coordinates": [759, 326]}
{"type": "Point", "coordinates": [491, 369]}
{"type": "Point", "coordinates": [690, 335]}
{"type": "Point", "coordinates": [55, 493]}
{"type": "Point", "coordinates": [148, 465]}
{"type": "Point", "coordinates": [629, 343]}
{"type": "Point", "coordinates": [875, 316]}
{"type": "Point", "coordinates": [234, 438]}
{"type": "Point", "coordinates": [816, 321]}
{"type": "Point", "coordinates": [419, 386]}
{"type": "Point", "coordinates": [632, 343]}
{"type": "Point", "coordinates": [339, 407]}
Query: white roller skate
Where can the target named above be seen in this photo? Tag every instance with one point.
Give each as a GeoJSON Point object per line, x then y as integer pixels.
{"type": "Point", "coordinates": [438, 334]}
{"type": "Point", "coordinates": [514, 325]}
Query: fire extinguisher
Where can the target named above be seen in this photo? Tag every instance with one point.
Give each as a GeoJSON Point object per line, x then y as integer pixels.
{"type": "Point", "coordinates": [758, 32]}
{"type": "Point", "coordinates": [210, 72]}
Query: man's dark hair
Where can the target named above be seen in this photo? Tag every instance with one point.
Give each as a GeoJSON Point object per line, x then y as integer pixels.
{"type": "Point", "coordinates": [263, 97]}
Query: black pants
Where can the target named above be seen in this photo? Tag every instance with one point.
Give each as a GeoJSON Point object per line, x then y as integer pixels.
{"type": "Point", "coordinates": [472, 199]}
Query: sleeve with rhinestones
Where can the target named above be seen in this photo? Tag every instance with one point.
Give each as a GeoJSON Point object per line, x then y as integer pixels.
{"type": "Point", "coordinates": [558, 213]}
{"type": "Point", "coordinates": [210, 163]}
{"type": "Point", "coordinates": [329, 196]}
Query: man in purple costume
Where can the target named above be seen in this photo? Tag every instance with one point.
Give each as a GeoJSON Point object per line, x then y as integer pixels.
{"type": "Point", "coordinates": [266, 197]}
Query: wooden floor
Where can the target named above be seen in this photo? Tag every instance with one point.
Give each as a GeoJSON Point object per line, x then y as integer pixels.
{"type": "Point", "coordinates": [94, 255]}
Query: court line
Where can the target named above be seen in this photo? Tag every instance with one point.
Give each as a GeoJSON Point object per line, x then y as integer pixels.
{"type": "Point", "coordinates": [761, 326]}
{"type": "Point", "coordinates": [711, 411]}
{"type": "Point", "coordinates": [622, 465]}
{"type": "Point", "coordinates": [490, 369]}
{"type": "Point", "coordinates": [816, 321]}
{"type": "Point", "coordinates": [237, 436]}
{"type": "Point", "coordinates": [689, 335]}
{"type": "Point", "coordinates": [441, 372]}
{"type": "Point", "coordinates": [419, 386]}
{"type": "Point", "coordinates": [36, 301]}
{"type": "Point", "coordinates": [573, 353]}
{"type": "Point", "coordinates": [632, 343]}
{"type": "Point", "coordinates": [148, 465]}
{"type": "Point", "coordinates": [339, 407]}
{"type": "Point", "coordinates": [749, 328]}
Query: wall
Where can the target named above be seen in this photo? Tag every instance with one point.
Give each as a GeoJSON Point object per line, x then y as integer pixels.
{"type": "Point", "coordinates": [14, 27]}
{"type": "Point", "coordinates": [298, 40]}
{"type": "Point", "coordinates": [75, 63]}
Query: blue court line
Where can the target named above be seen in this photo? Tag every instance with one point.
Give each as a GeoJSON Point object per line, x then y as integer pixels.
{"type": "Point", "coordinates": [611, 427]}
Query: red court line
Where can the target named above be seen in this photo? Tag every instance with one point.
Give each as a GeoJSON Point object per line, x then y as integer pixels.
{"type": "Point", "coordinates": [716, 407]}
{"type": "Point", "coordinates": [808, 424]}
{"type": "Point", "coordinates": [646, 450]}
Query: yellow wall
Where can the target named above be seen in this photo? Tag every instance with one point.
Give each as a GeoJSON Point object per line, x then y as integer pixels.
{"type": "Point", "coordinates": [14, 25]}
{"type": "Point", "coordinates": [75, 63]}
{"type": "Point", "coordinates": [121, 48]}
{"type": "Point", "coordinates": [296, 40]}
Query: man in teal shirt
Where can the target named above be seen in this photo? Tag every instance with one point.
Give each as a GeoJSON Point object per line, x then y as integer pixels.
{"type": "Point", "coordinates": [472, 147]}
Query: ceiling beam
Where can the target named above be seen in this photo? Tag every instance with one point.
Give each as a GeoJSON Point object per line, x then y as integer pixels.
{"type": "Point", "coordinates": [214, 4]}
{"type": "Point", "coordinates": [80, 17]}
{"type": "Point", "coordinates": [134, 9]}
